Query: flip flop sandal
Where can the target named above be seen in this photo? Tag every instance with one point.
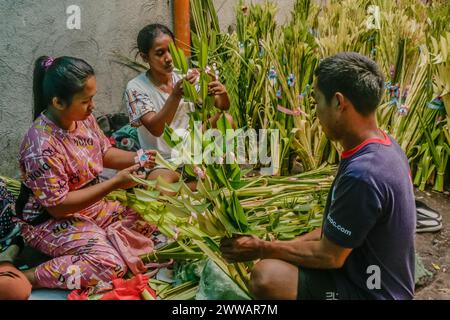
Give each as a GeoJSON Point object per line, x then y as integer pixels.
{"type": "Point", "coordinates": [430, 225]}
{"type": "Point", "coordinates": [422, 216]}
{"type": "Point", "coordinates": [425, 212]}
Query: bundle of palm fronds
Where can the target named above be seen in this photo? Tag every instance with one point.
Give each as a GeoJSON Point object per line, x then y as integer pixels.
{"type": "Point", "coordinates": [269, 207]}
{"type": "Point", "coordinates": [274, 71]}
{"type": "Point", "coordinates": [12, 185]}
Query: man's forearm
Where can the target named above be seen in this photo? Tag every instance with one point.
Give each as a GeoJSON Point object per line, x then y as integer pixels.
{"type": "Point", "coordinates": [300, 252]}
{"type": "Point", "coordinates": [312, 236]}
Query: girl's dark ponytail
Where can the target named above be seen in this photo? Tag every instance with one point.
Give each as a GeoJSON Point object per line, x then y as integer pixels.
{"type": "Point", "coordinates": [38, 87]}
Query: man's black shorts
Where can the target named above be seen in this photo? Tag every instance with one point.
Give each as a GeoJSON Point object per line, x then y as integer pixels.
{"type": "Point", "coordinates": [319, 284]}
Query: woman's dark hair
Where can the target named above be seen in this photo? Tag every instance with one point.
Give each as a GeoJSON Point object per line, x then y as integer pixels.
{"type": "Point", "coordinates": [148, 34]}
{"type": "Point", "coordinates": [356, 76]}
{"type": "Point", "coordinates": [62, 77]}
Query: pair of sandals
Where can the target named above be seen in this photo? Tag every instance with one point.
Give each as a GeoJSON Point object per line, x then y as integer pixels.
{"type": "Point", "coordinates": [428, 220]}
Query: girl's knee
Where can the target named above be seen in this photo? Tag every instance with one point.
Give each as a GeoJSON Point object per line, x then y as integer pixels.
{"type": "Point", "coordinates": [105, 270]}
{"type": "Point", "coordinates": [112, 267]}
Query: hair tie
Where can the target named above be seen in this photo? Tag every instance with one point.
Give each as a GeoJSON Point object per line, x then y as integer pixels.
{"type": "Point", "coordinates": [48, 62]}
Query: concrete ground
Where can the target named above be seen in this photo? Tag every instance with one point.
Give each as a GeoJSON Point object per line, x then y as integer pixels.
{"type": "Point", "coordinates": [434, 249]}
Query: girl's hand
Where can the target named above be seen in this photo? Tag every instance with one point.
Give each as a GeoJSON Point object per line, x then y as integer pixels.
{"type": "Point", "coordinates": [193, 76]}
{"type": "Point", "coordinates": [123, 178]}
{"type": "Point", "coordinates": [151, 154]}
{"type": "Point", "coordinates": [178, 89]}
{"type": "Point", "coordinates": [216, 88]}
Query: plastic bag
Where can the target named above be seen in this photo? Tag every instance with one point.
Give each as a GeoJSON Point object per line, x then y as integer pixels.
{"type": "Point", "coordinates": [191, 271]}
{"type": "Point", "coordinates": [217, 285]}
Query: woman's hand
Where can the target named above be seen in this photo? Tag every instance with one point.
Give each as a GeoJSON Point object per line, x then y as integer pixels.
{"type": "Point", "coordinates": [123, 179]}
{"type": "Point", "coordinates": [177, 91]}
{"type": "Point", "coordinates": [219, 91]}
{"type": "Point", "coordinates": [191, 77]}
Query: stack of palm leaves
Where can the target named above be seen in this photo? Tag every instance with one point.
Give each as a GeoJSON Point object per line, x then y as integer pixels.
{"type": "Point", "coordinates": [273, 67]}
{"type": "Point", "coordinates": [12, 185]}
{"type": "Point", "coordinates": [412, 111]}
{"type": "Point", "coordinates": [268, 70]}
{"type": "Point", "coordinates": [269, 207]}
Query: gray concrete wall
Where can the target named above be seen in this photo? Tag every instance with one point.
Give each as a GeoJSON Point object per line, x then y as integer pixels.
{"type": "Point", "coordinates": [226, 10]}
{"type": "Point", "coordinates": [30, 29]}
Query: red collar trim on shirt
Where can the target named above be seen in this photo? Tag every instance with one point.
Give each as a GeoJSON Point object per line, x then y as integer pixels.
{"type": "Point", "coordinates": [386, 141]}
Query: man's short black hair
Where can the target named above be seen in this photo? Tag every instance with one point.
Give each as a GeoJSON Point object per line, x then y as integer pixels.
{"type": "Point", "coordinates": [355, 76]}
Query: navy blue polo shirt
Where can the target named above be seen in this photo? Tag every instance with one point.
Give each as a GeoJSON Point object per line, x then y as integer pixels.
{"type": "Point", "coordinates": [371, 209]}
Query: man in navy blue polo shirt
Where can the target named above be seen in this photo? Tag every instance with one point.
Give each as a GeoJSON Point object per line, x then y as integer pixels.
{"type": "Point", "coordinates": [365, 249]}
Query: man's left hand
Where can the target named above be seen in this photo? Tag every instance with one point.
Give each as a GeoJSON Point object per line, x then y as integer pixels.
{"type": "Point", "coordinates": [242, 248]}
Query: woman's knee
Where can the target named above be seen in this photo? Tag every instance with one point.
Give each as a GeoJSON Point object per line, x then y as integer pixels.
{"type": "Point", "coordinates": [15, 289]}
{"type": "Point", "coordinates": [93, 268]}
{"type": "Point", "coordinates": [112, 267]}
{"type": "Point", "coordinates": [165, 174]}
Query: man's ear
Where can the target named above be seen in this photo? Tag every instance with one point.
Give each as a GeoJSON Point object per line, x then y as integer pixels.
{"type": "Point", "coordinates": [57, 104]}
{"type": "Point", "coordinates": [340, 100]}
